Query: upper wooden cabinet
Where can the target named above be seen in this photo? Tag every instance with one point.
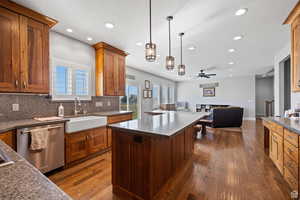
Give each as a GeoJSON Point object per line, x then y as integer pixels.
{"type": "Point", "coordinates": [294, 20]}
{"type": "Point", "coordinates": [24, 49]}
{"type": "Point", "coordinates": [110, 70]}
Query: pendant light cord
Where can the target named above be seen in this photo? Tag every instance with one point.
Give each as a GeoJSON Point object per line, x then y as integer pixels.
{"type": "Point", "coordinates": [150, 22]}
{"type": "Point", "coordinates": [181, 49]}
{"type": "Point", "coordinates": [169, 37]}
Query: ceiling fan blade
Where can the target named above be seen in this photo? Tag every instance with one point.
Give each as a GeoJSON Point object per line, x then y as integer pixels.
{"type": "Point", "coordinates": [211, 74]}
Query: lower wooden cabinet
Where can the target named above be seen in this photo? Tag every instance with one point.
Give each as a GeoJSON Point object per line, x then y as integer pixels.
{"type": "Point", "coordinates": [276, 150]}
{"type": "Point", "coordinates": [97, 140]}
{"type": "Point", "coordinates": [8, 138]}
{"type": "Point", "coordinates": [85, 143]}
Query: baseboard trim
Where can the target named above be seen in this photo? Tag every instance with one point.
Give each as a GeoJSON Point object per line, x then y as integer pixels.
{"type": "Point", "coordinates": [249, 118]}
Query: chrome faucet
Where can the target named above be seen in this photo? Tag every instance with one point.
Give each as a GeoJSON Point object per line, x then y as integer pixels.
{"type": "Point", "coordinates": [77, 103]}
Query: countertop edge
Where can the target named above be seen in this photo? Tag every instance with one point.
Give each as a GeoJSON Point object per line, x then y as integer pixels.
{"type": "Point", "coordinates": [153, 133]}
{"type": "Point", "coordinates": [32, 124]}
{"type": "Point", "coordinates": [282, 124]}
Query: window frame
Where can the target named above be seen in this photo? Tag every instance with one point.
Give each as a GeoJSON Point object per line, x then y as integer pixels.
{"type": "Point", "coordinates": [159, 96]}
{"type": "Point", "coordinates": [73, 67]}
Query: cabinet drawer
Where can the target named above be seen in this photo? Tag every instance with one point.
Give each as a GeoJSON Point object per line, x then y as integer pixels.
{"type": "Point", "coordinates": [292, 181]}
{"type": "Point", "coordinates": [291, 165]}
{"type": "Point", "coordinates": [292, 151]}
{"type": "Point", "coordinates": [276, 128]}
{"type": "Point", "coordinates": [291, 137]}
{"type": "Point", "coordinates": [119, 118]}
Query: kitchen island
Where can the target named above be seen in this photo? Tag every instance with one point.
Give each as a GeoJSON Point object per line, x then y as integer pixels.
{"type": "Point", "coordinates": [147, 152]}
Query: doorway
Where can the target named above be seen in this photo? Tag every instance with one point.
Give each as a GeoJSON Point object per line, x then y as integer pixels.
{"type": "Point", "coordinates": [285, 85]}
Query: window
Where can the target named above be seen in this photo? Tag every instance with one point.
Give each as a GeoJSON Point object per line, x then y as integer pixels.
{"type": "Point", "coordinates": [70, 81]}
{"type": "Point", "coordinates": [130, 101]}
{"type": "Point", "coordinates": [171, 95]}
{"type": "Point", "coordinates": [156, 96]}
{"type": "Point", "coordinates": [168, 94]}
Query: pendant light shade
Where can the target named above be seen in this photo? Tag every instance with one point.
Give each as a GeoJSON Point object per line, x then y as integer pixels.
{"type": "Point", "coordinates": [181, 67]}
{"type": "Point", "coordinates": [170, 60]}
{"type": "Point", "coordinates": [150, 48]}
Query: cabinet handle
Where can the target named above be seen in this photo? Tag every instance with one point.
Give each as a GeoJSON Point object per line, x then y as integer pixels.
{"type": "Point", "coordinates": [24, 84]}
{"type": "Point", "coordinates": [17, 83]}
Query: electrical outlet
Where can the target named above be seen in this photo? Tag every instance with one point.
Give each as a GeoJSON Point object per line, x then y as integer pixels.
{"type": "Point", "coordinates": [108, 103]}
{"type": "Point", "coordinates": [99, 104]}
{"type": "Point", "coordinates": [15, 107]}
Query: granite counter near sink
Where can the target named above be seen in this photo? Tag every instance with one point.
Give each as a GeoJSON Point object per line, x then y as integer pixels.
{"type": "Point", "coordinates": [23, 181]}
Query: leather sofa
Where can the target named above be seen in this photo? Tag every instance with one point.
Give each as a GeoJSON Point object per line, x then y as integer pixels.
{"type": "Point", "coordinates": [226, 117]}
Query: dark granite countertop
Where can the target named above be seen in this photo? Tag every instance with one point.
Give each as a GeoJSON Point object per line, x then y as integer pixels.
{"type": "Point", "coordinates": [165, 124]}
{"type": "Point", "coordinates": [23, 181]}
{"type": "Point", "coordinates": [288, 123]}
{"type": "Point", "coordinates": [16, 124]}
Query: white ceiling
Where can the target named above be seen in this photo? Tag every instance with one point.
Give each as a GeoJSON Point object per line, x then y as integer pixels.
{"type": "Point", "coordinates": [210, 25]}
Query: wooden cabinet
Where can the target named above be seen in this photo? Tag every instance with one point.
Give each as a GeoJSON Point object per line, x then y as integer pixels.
{"type": "Point", "coordinates": [24, 49]}
{"type": "Point", "coordinates": [116, 119]}
{"type": "Point", "coordinates": [34, 40]}
{"type": "Point", "coordinates": [85, 143]}
{"type": "Point", "coordinates": [294, 20]}
{"type": "Point", "coordinates": [110, 70]}
{"type": "Point", "coordinates": [284, 152]}
{"type": "Point", "coordinates": [8, 138]}
{"type": "Point", "coordinates": [76, 146]}
{"type": "Point", "coordinates": [9, 51]}
{"type": "Point", "coordinates": [97, 140]}
{"type": "Point", "coordinates": [142, 163]}
{"type": "Point", "coordinates": [276, 150]}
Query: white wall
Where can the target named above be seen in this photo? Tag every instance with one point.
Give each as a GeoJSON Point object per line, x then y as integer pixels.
{"type": "Point", "coordinates": [278, 79]}
{"type": "Point", "coordinates": [236, 91]}
{"type": "Point", "coordinates": [140, 77]}
{"type": "Point", "coordinates": [264, 91]}
{"type": "Point", "coordinates": [74, 51]}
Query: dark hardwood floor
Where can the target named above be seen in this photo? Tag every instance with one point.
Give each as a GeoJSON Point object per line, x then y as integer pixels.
{"type": "Point", "coordinates": [227, 165]}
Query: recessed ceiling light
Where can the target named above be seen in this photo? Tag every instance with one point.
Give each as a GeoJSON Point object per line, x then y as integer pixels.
{"type": "Point", "coordinates": [192, 48]}
{"type": "Point", "coordinates": [139, 44]}
{"type": "Point", "coordinates": [231, 63]}
{"type": "Point", "coordinates": [89, 38]}
{"type": "Point", "coordinates": [238, 37]}
{"type": "Point", "coordinates": [231, 50]}
{"type": "Point", "coordinates": [69, 30]}
{"type": "Point", "coordinates": [109, 25]}
{"type": "Point", "coordinates": [241, 12]}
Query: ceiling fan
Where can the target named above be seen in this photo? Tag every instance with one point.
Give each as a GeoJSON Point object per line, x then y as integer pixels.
{"type": "Point", "coordinates": [202, 74]}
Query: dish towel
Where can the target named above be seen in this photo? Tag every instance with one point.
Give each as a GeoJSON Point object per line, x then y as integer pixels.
{"type": "Point", "coordinates": [39, 139]}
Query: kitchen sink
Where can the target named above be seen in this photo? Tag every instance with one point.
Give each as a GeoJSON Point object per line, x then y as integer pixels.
{"type": "Point", "coordinates": [83, 123]}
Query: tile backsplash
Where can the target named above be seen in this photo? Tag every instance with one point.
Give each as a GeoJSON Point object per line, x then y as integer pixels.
{"type": "Point", "coordinates": [41, 106]}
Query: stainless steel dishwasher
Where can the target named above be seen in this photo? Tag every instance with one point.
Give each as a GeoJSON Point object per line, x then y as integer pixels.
{"type": "Point", "coordinates": [47, 159]}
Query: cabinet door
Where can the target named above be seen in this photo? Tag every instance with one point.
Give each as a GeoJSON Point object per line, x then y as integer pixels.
{"type": "Point", "coordinates": [76, 146]}
{"type": "Point", "coordinates": [34, 40]}
{"type": "Point", "coordinates": [277, 151]}
{"type": "Point", "coordinates": [189, 142]}
{"type": "Point", "coordinates": [9, 51]}
{"type": "Point", "coordinates": [109, 71]}
{"type": "Point", "coordinates": [296, 55]}
{"type": "Point", "coordinates": [121, 76]}
{"type": "Point", "coordinates": [8, 138]}
{"type": "Point", "coordinates": [97, 140]}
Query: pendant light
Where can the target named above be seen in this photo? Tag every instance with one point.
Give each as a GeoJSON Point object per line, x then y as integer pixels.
{"type": "Point", "coordinates": [170, 60]}
{"type": "Point", "coordinates": [181, 67]}
{"type": "Point", "coordinates": [150, 50]}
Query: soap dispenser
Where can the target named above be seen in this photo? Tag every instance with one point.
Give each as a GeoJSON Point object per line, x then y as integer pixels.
{"type": "Point", "coordinates": [61, 110]}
